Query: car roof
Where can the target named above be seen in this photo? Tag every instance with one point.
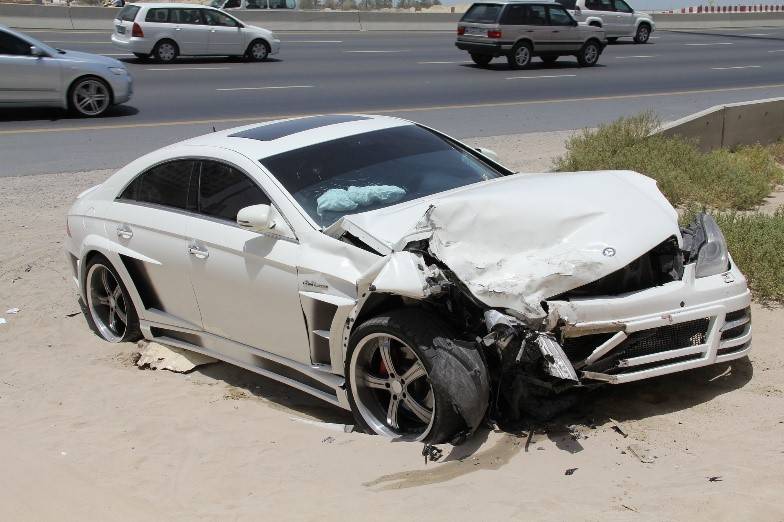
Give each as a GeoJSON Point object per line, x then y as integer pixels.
{"type": "Point", "coordinates": [262, 140]}
{"type": "Point", "coordinates": [538, 2]}
{"type": "Point", "coordinates": [169, 5]}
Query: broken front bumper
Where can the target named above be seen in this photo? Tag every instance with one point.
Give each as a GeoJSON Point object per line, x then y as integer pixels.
{"type": "Point", "coordinates": [677, 326]}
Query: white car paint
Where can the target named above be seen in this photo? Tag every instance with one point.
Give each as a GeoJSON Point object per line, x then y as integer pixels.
{"type": "Point", "coordinates": [617, 22]}
{"type": "Point", "coordinates": [192, 39]}
{"type": "Point", "coordinates": [290, 296]}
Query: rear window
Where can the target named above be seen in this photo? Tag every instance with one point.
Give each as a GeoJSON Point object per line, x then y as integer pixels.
{"type": "Point", "coordinates": [128, 13]}
{"type": "Point", "coordinates": [482, 13]}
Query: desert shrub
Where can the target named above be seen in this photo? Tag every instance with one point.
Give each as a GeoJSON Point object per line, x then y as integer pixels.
{"type": "Point", "coordinates": [720, 179]}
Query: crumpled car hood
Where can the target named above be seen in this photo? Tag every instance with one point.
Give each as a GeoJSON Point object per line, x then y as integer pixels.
{"type": "Point", "coordinates": [518, 240]}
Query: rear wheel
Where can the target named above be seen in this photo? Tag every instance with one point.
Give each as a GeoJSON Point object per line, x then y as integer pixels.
{"type": "Point", "coordinates": [589, 54]}
{"type": "Point", "coordinates": [111, 309]}
{"type": "Point", "coordinates": [90, 96]}
{"type": "Point", "coordinates": [165, 51]}
{"type": "Point", "coordinates": [258, 51]}
{"type": "Point", "coordinates": [549, 59]}
{"type": "Point", "coordinates": [481, 59]}
{"type": "Point", "coordinates": [643, 34]}
{"type": "Point", "coordinates": [405, 385]}
{"type": "Point", "coordinates": [520, 56]}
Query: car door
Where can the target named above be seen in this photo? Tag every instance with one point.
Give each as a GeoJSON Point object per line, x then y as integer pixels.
{"type": "Point", "coordinates": [563, 30]}
{"type": "Point", "coordinates": [624, 16]}
{"type": "Point", "coordinates": [245, 281]}
{"type": "Point", "coordinates": [604, 9]}
{"type": "Point", "coordinates": [538, 28]}
{"type": "Point", "coordinates": [26, 78]}
{"type": "Point", "coordinates": [513, 23]}
{"type": "Point", "coordinates": [151, 218]}
{"type": "Point", "coordinates": [190, 31]}
{"type": "Point", "coordinates": [225, 34]}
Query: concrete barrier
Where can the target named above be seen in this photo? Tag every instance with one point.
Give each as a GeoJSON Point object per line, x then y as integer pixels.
{"type": "Point", "coordinates": [732, 125]}
{"type": "Point", "coordinates": [27, 16]}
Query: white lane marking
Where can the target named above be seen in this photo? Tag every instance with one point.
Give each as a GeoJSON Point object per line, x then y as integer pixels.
{"type": "Point", "coordinates": [422, 63]}
{"type": "Point", "coordinates": [709, 44]}
{"type": "Point", "coordinates": [186, 68]}
{"type": "Point", "coordinates": [758, 34]}
{"type": "Point", "coordinates": [736, 67]}
{"type": "Point", "coordinates": [540, 77]}
{"type": "Point", "coordinates": [397, 51]}
{"type": "Point", "coordinates": [637, 56]}
{"type": "Point", "coordinates": [264, 88]}
{"type": "Point", "coordinates": [311, 41]}
{"type": "Point", "coordinates": [107, 41]}
{"type": "Point", "coordinates": [777, 51]}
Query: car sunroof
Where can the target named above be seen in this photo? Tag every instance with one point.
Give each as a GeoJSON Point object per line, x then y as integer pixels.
{"type": "Point", "coordinates": [286, 128]}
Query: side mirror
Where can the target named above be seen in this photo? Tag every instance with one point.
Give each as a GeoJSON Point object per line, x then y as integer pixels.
{"type": "Point", "coordinates": [258, 218]}
{"type": "Point", "coordinates": [35, 51]}
{"type": "Point", "coordinates": [487, 152]}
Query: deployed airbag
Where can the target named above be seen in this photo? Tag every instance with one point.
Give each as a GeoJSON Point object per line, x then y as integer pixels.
{"type": "Point", "coordinates": [342, 200]}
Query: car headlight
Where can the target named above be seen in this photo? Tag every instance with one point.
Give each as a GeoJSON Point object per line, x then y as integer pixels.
{"type": "Point", "coordinates": [119, 71]}
{"type": "Point", "coordinates": [713, 257]}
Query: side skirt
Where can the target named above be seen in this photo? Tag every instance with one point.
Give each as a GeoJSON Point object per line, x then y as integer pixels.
{"type": "Point", "coordinates": [316, 380]}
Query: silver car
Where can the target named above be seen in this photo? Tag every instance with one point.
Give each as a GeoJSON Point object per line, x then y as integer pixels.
{"type": "Point", "coordinates": [34, 74]}
{"type": "Point", "coordinates": [165, 31]}
{"type": "Point", "coordinates": [521, 30]}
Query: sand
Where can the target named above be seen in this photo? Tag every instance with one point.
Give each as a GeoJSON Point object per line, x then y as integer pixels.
{"type": "Point", "coordinates": [85, 435]}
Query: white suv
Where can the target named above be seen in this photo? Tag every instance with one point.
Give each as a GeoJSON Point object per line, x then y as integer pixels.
{"type": "Point", "coordinates": [616, 17]}
{"type": "Point", "coordinates": [165, 31]}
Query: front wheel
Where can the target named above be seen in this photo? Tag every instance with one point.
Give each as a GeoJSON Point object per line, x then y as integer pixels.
{"type": "Point", "coordinates": [90, 97]}
{"type": "Point", "coordinates": [520, 56]}
{"type": "Point", "coordinates": [481, 60]}
{"type": "Point", "coordinates": [111, 309]}
{"type": "Point", "coordinates": [643, 34]}
{"type": "Point", "coordinates": [258, 51]}
{"type": "Point", "coordinates": [589, 54]}
{"type": "Point", "coordinates": [408, 381]}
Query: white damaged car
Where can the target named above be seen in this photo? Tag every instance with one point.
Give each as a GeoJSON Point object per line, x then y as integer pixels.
{"type": "Point", "coordinates": [388, 269]}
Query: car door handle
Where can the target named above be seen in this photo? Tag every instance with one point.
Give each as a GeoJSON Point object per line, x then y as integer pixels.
{"type": "Point", "coordinates": [124, 231]}
{"type": "Point", "coordinates": [178, 28]}
{"type": "Point", "coordinates": [556, 31]}
{"type": "Point", "coordinates": [201, 253]}
{"type": "Point", "coordinates": [212, 30]}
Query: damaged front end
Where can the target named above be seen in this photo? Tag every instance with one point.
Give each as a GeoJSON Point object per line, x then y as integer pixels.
{"type": "Point", "coordinates": [562, 298]}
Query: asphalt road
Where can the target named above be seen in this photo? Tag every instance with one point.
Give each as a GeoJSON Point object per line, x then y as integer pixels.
{"type": "Point", "coordinates": [420, 76]}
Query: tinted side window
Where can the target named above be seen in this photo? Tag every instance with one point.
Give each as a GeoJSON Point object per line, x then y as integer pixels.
{"type": "Point", "coordinates": [160, 16]}
{"type": "Point", "coordinates": [535, 15]}
{"type": "Point", "coordinates": [231, 4]}
{"type": "Point", "coordinates": [185, 16]}
{"type": "Point", "coordinates": [514, 15]}
{"type": "Point", "coordinates": [569, 4]}
{"type": "Point", "coordinates": [622, 6]}
{"type": "Point", "coordinates": [128, 13]}
{"type": "Point", "coordinates": [216, 18]}
{"type": "Point", "coordinates": [256, 4]}
{"type": "Point", "coordinates": [10, 44]}
{"type": "Point", "coordinates": [224, 190]}
{"type": "Point", "coordinates": [599, 5]}
{"type": "Point", "coordinates": [166, 184]}
{"type": "Point", "coordinates": [559, 16]}
{"type": "Point", "coordinates": [482, 13]}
